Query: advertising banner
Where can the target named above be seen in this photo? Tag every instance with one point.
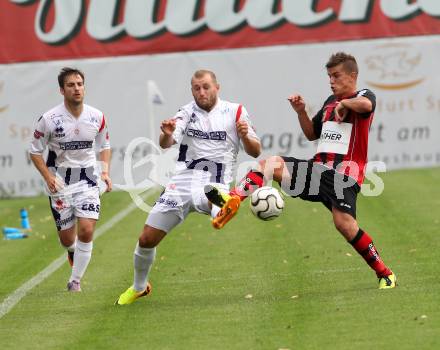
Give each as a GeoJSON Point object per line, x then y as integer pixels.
{"type": "Point", "coordinates": [41, 30]}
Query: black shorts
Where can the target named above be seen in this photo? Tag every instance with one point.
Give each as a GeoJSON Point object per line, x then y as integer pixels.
{"type": "Point", "coordinates": [317, 183]}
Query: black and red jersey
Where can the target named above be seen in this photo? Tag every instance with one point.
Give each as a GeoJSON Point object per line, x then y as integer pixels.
{"type": "Point", "coordinates": [354, 160]}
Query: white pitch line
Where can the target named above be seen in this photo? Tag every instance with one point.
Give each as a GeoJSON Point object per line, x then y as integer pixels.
{"type": "Point", "coordinates": [13, 298]}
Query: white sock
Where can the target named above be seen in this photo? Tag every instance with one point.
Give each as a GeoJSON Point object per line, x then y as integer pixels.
{"type": "Point", "coordinates": [83, 253]}
{"type": "Point", "coordinates": [214, 211]}
{"type": "Point", "coordinates": [71, 248]}
{"type": "Point", "coordinates": [143, 259]}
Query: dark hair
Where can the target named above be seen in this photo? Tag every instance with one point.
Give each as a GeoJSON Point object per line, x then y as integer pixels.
{"type": "Point", "coordinates": [65, 72]}
{"type": "Point", "coordinates": [202, 72]}
{"type": "Point", "coordinates": [348, 62]}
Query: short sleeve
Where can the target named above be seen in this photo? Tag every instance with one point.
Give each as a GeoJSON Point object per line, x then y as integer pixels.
{"type": "Point", "coordinates": [369, 95]}
{"type": "Point", "coordinates": [103, 138]}
{"type": "Point", "coordinates": [181, 118]}
{"type": "Point", "coordinates": [40, 137]}
{"type": "Point", "coordinates": [245, 116]}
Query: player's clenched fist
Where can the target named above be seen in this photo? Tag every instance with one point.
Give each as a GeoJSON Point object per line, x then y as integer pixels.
{"type": "Point", "coordinates": [168, 126]}
{"type": "Point", "coordinates": [54, 183]}
{"type": "Point", "coordinates": [242, 128]}
{"type": "Point", "coordinates": [340, 112]}
{"type": "Point", "coordinates": [297, 102]}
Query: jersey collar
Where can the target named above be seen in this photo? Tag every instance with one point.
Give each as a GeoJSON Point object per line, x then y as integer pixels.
{"type": "Point", "coordinates": [213, 109]}
{"type": "Point", "coordinates": [70, 114]}
{"type": "Point", "coordinates": [348, 96]}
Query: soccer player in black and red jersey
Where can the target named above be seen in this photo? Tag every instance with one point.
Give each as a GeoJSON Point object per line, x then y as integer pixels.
{"type": "Point", "coordinates": [336, 172]}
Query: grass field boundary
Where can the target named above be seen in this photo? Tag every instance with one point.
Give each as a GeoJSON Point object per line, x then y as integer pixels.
{"type": "Point", "coordinates": [14, 298]}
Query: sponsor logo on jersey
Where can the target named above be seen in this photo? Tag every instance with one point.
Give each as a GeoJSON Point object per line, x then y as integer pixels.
{"type": "Point", "coordinates": [217, 135]}
{"type": "Point", "coordinates": [331, 135]}
{"type": "Point", "coordinates": [59, 132]}
{"type": "Point", "coordinates": [212, 135]}
{"type": "Point", "coordinates": [38, 134]}
{"type": "Point", "coordinates": [59, 204]}
{"type": "Point", "coordinates": [74, 145]}
{"type": "Point", "coordinates": [57, 119]}
{"type": "Point", "coordinates": [193, 118]}
{"type": "Point", "coordinates": [199, 134]}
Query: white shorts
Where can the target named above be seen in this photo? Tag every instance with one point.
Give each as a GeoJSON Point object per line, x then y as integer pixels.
{"type": "Point", "coordinates": [67, 205]}
{"type": "Point", "coordinates": [176, 202]}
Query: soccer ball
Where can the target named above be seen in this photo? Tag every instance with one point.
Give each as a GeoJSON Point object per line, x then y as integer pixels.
{"type": "Point", "coordinates": [266, 203]}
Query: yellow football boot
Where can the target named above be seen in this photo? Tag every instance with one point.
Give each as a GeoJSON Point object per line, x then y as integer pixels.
{"type": "Point", "coordinates": [388, 282]}
{"type": "Point", "coordinates": [130, 295]}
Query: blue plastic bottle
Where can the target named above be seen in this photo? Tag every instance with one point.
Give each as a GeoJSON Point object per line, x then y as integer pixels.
{"type": "Point", "coordinates": [7, 230]}
{"type": "Point", "coordinates": [25, 219]}
{"type": "Point", "coordinates": [17, 235]}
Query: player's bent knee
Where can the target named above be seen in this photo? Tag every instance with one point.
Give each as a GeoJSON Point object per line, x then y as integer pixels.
{"type": "Point", "coordinates": [150, 237]}
{"type": "Point", "coordinates": [85, 234]}
{"type": "Point", "coordinates": [272, 167]}
{"type": "Point", "coordinates": [66, 242]}
{"type": "Point", "coordinates": [148, 241]}
{"type": "Point", "coordinates": [67, 237]}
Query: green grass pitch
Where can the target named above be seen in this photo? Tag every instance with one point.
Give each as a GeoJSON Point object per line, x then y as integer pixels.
{"type": "Point", "coordinates": [292, 283]}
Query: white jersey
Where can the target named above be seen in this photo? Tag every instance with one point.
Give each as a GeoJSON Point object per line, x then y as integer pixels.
{"type": "Point", "coordinates": [209, 142]}
{"type": "Point", "coordinates": [72, 142]}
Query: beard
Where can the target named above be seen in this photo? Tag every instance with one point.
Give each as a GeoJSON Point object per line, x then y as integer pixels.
{"type": "Point", "coordinates": [75, 101]}
{"type": "Point", "coordinates": [206, 104]}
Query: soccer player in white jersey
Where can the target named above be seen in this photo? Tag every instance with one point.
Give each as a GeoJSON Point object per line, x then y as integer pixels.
{"type": "Point", "coordinates": [73, 132]}
{"type": "Point", "coordinates": [209, 131]}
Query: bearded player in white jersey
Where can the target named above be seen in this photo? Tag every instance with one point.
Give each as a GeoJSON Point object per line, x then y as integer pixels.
{"type": "Point", "coordinates": [209, 131]}
{"type": "Point", "coordinates": [73, 132]}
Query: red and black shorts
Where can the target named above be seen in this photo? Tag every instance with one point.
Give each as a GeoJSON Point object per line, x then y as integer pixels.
{"type": "Point", "coordinates": [316, 182]}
